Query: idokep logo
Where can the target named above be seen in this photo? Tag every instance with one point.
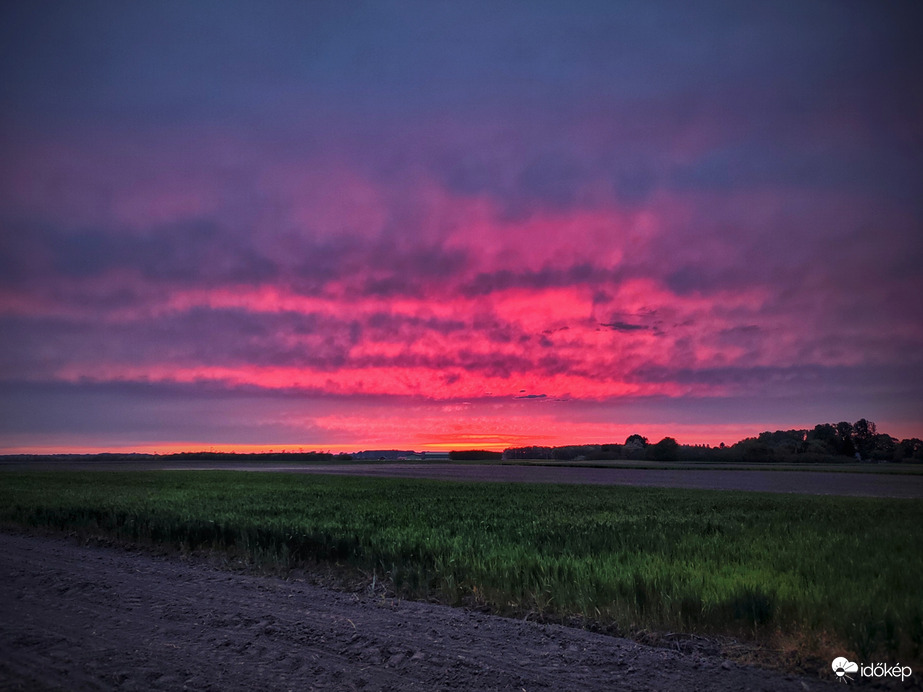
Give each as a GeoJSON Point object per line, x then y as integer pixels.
{"type": "Point", "coordinates": [842, 667]}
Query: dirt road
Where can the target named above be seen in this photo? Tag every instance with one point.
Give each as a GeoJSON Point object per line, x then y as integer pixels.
{"type": "Point", "coordinates": [79, 617]}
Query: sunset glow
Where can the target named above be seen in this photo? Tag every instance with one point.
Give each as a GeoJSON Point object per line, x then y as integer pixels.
{"type": "Point", "coordinates": [418, 227]}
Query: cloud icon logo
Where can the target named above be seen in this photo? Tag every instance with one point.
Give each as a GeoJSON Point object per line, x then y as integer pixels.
{"type": "Point", "coordinates": [842, 666]}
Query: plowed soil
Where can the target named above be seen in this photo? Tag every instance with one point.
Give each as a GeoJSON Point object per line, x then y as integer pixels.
{"type": "Point", "coordinates": [897, 485]}
{"type": "Point", "coordinates": [90, 617]}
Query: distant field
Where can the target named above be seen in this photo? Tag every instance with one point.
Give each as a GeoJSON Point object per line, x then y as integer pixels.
{"type": "Point", "coordinates": [847, 467]}
{"type": "Point", "coordinates": [817, 571]}
{"type": "Point", "coordinates": [862, 480]}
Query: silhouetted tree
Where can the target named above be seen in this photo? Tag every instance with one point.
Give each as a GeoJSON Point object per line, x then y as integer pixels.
{"type": "Point", "coordinates": [863, 435]}
{"type": "Point", "coordinates": [752, 449]}
{"type": "Point", "coordinates": [528, 453]}
{"type": "Point", "coordinates": [785, 442]}
{"type": "Point", "coordinates": [883, 447]}
{"type": "Point", "coordinates": [665, 450]}
{"type": "Point", "coordinates": [474, 455]}
{"type": "Point", "coordinates": [844, 441]}
{"type": "Point", "coordinates": [634, 447]}
{"type": "Point", "coordinates": [823, 439]}
{"type": "Point", "coordinates": [910, 449]}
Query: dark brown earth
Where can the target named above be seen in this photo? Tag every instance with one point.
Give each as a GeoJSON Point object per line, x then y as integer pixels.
{"type": "Point", "coordinates": [91, 617]}
{"type": "Point", "coordinates": [810, 482]}
{"type": "Point", "coordinates": [869, 484]}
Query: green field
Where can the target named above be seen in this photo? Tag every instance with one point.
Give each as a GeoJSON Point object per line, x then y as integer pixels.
{"type": "Point", "coordinates": [818, 572]}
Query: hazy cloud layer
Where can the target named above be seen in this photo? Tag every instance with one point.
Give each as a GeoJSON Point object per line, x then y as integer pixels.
{"type": "Point", "coordinates": [466, 205]}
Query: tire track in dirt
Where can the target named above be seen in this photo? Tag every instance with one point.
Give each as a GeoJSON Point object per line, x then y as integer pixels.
{"type": "Point", "coordinates": [95, 618]}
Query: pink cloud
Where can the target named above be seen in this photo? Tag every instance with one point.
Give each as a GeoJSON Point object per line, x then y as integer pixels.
{"type": "Point", "coordinates": [346, 284]}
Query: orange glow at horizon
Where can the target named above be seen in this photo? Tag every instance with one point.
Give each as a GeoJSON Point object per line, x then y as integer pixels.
{"type": "Point", "coordinates": [418, 441]}
{"type": "Point", "coordinates": [418, 431]}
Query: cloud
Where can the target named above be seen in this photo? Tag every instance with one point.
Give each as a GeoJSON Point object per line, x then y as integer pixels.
{"type": "Point", "coordinates": [623, 326]}
{"type": "Point", "coordinates": [433, 203]}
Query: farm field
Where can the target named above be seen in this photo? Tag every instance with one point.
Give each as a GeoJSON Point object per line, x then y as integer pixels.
{"type": "Point", "coordinates": [863, 480]}
{"type": "Point", "coordinates": [747, 479]}
{"type": "Point", "coordinates": [907, 469]}
{"type": "Point", "coordinates": [810, 574]}
{"type": "Point", "coordinates": [163, 623]}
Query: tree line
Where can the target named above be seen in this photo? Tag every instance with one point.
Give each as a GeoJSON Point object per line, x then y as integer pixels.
{"type": "Point", "coordinates": [831, 442]}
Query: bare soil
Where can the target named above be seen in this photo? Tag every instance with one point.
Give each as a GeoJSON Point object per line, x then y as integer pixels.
{"type": "Point", "coordinates": [77, 616]}
{"type": "Point", "coordinates": [819, 482]}
{"type": "Point", "coordinates": [809, 482]}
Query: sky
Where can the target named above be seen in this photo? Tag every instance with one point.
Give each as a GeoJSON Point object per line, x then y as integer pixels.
{"type": "Point", "coordinates": [448, 225]}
